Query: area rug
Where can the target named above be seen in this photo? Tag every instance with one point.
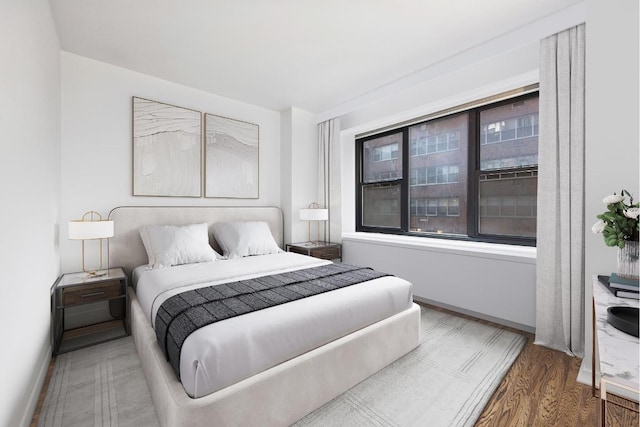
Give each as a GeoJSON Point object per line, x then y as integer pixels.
{"type": "Point", "coordinates": [102, 385]}
{"type": "Point", "coordinates": [446, 381]}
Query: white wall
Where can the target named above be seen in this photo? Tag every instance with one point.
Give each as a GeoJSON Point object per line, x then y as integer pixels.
{"type": "Point", "coordinates": [612, 154]}
{"type": "Point", "coordinates": [299, 171]}
{"type": "Point", "coordinates": [96, 141]}
{"type": "Point", "coordinates": [460, 276]}
{"type": "Point", "coordinates": [30, 194]}
{"type": "Point", "coordinates": [500, 288]}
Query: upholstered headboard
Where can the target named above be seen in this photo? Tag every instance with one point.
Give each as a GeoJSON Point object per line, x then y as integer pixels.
{"type": "Point", "coordinates": [127, 251]}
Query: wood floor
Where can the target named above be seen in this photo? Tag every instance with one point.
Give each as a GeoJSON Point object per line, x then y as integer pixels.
{"type": "Point", "coordinates": [539, 390]}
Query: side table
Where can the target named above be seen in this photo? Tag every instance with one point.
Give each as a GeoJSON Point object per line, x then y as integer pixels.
{"type": "Point", "coordinates": [618, 353]}
{"type": "Point", "coordinates": [323, 250]}
{"type": "Point", "coordinates": [73, 289]}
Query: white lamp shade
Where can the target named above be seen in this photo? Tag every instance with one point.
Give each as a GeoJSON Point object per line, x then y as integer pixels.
{"type": "Point", "coordinates": [87, 230]}
{"type": "Point", "coordinates": [311, 214]}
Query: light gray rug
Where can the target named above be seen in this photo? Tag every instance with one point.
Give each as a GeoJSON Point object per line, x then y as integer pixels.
{"type": "Point", "coordinates": [445, 382]}
{"type": "Point", "coordinates": [102, 385]}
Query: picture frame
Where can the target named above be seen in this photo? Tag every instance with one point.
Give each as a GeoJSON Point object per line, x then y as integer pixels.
{"type": "Point", "coordinates": [232, 151]}
{"type": "Point", "coordinates": [167, 149]}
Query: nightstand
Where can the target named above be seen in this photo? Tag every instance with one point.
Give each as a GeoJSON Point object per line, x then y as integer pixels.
{"type": "Point", "coordinates": [324, 250]}
{"type": "Point", "coordinates": [74, 289]}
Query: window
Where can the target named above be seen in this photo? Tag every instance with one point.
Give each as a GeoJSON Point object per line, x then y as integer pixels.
{"type": "Point", "coordinates": [423, 145]}
{"type": "Point", "coordinates": [434, 175]}
{"type": "Point", "coordinates": [511, 129]}
{"type": "Point", "coordinates": [385, 152]}
{"type": "Point", "coordinates": [471, 175]}
{"type": "Point", "coordinates": [435, 207]}
{"type": "Point", "coordinates": [381, 176]}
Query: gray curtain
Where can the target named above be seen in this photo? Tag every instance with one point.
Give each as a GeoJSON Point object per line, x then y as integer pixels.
{"type": "Point", "coordinates": [329, 189]}
{"type": "Point", "coordinates": [560, 281]}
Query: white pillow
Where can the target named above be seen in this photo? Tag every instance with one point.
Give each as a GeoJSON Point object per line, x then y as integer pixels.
{"type": "Point", "coordinates": [241, 239]}
{"type": "Point", "coordinates": [169, 245]}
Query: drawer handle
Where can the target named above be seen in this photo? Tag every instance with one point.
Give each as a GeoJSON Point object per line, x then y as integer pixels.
{"type": "Point", "coordinates": [92, 295]}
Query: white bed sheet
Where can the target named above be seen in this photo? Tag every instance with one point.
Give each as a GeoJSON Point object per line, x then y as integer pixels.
{"type": "Point", "coordinates": [229, 351]}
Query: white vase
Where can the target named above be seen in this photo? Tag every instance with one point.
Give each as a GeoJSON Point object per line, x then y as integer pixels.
{"type": "Point", "coordinates": [628, 260]}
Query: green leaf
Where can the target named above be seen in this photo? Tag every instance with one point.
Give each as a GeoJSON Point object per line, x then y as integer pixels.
{"type": "Point", "coordinates": [621, 244]}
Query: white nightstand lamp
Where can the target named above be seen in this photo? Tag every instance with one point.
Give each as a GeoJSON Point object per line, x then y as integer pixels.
{"type": "Point", "coordinates": [91, 227]}
{"type": "Point", "coordinates": [314, 213]}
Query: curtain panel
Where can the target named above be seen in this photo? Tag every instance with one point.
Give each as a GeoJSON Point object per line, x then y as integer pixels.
{"type": "Point", "coordinates": [560, 282]}
{"type": "Point", "coordinates": [329, 181]}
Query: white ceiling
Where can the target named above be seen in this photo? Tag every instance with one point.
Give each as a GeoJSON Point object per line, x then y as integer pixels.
{"type": "Point", "coordinates": [282, 53]}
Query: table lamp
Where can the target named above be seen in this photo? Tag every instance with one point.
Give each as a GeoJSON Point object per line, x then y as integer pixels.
{"type": "Point", "coordinates": [91, 227]}
{"type": "Point", "coordinates": [314, 213]}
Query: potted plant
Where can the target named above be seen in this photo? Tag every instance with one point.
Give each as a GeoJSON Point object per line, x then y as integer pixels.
{"type": "Point", "coordinates": [619, 228]}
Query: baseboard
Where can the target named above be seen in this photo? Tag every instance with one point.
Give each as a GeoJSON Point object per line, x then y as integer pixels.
{"type": "Point", "coordinates": [30, 407]}
{"type": "Point", "coordinates": [584, 374]}
{"type": "Point", "coordinates": [477, 315]}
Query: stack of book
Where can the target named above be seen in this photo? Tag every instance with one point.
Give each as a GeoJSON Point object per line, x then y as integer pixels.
{"type": "Point", "coordinates": [621, 287]}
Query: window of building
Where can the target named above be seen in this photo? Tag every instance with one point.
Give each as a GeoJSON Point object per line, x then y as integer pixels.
{"type": "Point", "coordinates": [422, 145]}
{"type": "Point", "coordinates": [433, 175]}
{"type": "Point", "coordinates": [435, 206]}
{"type": "Point", "coordinates": [385, 152]}
{"type": "Point", "coordinates": [471, 175]}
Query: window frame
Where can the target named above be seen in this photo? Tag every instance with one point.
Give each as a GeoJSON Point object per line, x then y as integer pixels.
{"type": "Point", "coordinates": [474, 173]}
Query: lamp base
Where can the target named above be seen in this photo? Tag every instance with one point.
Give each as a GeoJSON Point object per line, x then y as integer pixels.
{"type": "Point", "coordinates": [314, 243]}
{"type": "Point", "coordinates": [97, 273]}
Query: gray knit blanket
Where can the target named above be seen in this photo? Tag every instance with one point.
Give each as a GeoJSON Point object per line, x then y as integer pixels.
{"type": "Point", "coordinates": [182, 314]}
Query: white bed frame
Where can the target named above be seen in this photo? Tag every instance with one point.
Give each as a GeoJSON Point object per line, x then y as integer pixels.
{"type": "Point", "coordinates": [280, 395]}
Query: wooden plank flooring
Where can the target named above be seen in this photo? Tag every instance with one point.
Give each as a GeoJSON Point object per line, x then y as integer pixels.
{"type": "Point", "coordinates": [43, 394]}
{"type": "Point", "coordinates": [541, 390]}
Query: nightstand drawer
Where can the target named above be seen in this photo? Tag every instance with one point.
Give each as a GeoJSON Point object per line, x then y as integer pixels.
{"type": "Point", "coordinates": [332, 252]}
{"type": "Point", "coordinates": [322, 250]}
{"type": "Point", "coordinates": [91, 293]}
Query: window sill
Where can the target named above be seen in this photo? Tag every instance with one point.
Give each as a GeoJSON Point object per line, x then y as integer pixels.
{"type": "Point", "coordinates": [514, 253]}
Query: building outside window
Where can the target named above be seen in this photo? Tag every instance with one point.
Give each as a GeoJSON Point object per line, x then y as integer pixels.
{"type": "Point", "coordinates": [468, 175]}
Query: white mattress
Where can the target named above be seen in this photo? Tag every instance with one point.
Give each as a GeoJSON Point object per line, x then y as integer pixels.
{"type": "Point", "coordinates": [226, 352]}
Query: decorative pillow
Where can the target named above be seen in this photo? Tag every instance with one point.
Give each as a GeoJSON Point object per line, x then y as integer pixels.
{"type": "Point", "coordinates": [241, 239]}
{"type": "Point", "coordinates": [168, 245]}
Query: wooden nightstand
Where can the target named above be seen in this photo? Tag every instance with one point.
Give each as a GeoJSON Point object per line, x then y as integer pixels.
{"type": "Point", "coordinates": [324, 250]}
{"type": "Point", "coordinates": [75, 289]}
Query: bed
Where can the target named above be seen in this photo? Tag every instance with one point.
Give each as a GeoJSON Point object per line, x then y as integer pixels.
{"type": "Point", "coordinates": [257, 391]}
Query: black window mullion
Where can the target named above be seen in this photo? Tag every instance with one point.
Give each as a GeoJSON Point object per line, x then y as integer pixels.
{"type": "Point", "coordinates": [359, 149]}
{"type": "Point", "coordinates": [404, 185]}
{"type": "Point", "coordinates": [472, 173]}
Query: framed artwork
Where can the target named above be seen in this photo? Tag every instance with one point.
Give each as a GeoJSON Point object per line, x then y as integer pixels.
{"type": "Point", "coordinates": [231, 158]}
{"type": "Point", "coordinates": [167, 150]}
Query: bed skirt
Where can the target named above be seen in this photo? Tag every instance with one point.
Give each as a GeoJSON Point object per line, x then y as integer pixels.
{"type": "Point", "coordinates": [280, 395]}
